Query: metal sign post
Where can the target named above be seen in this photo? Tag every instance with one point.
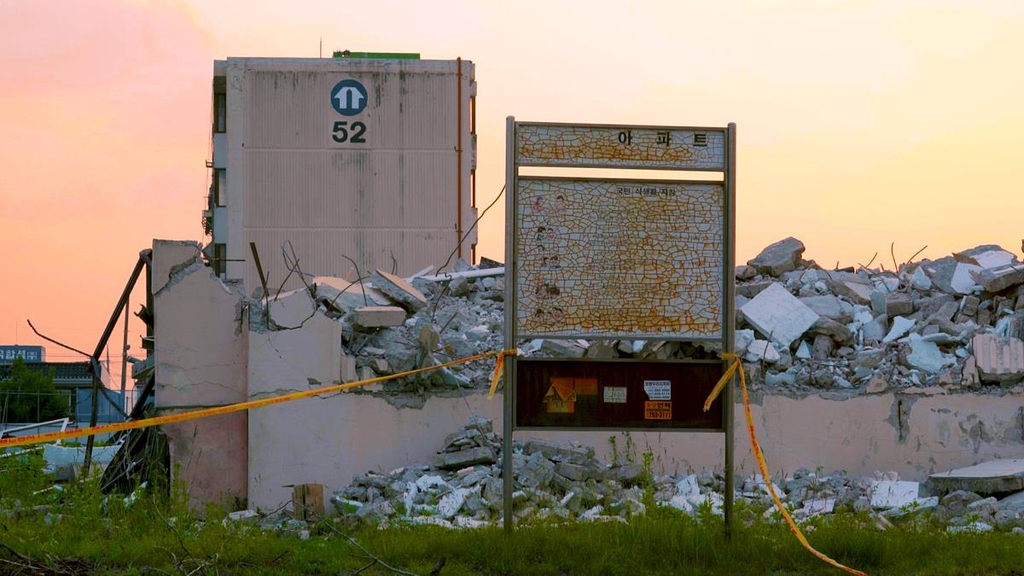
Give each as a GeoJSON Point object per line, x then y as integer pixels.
{"type": "Point", "coordinates": [618, 259]}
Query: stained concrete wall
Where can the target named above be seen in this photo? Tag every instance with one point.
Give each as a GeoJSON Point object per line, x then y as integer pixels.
{"type": "Point", "coordinates": [201, 349]}
{"type": "Point", "coordinates": [329, 440]}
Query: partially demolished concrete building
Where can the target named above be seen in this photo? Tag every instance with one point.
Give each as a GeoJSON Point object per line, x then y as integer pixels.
{"type": "Point", "coordinates": [357, 162]}
{"type": "Point", "coordinates": [913, 370]}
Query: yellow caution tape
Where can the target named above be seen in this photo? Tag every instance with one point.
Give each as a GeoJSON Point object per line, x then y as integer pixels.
{"type": "Point", "coordinates": [498, 365]}
{"type": "Point", "coordinates": [207, 412]}
{"type": "Point", "coordinates": [761, 463]}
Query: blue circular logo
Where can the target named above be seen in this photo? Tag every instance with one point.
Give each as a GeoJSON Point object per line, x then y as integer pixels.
{"type": "Point", "coordinates": [348, 97]}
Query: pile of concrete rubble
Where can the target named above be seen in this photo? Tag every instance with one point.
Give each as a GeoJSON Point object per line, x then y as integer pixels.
{"type": "Point", "coordinates": [393, 325]}
{"type": "Point", "coordinates": [957, 321]}
{"type": "Point", "coordinates": [462, 488]}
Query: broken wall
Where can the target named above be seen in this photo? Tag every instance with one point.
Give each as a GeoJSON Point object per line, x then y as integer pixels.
{"type": "Point", "coordinates": [845, 388]}
{"type": "Point", "coordinates": [201, 357]}
{"type": "Point", "coordinates": [330, 440]}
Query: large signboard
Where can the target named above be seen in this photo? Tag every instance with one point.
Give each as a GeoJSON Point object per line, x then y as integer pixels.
{"type": "Point", "coordinates": [619, 258]}
{"type": "Point", "coordinates": [592, 257]}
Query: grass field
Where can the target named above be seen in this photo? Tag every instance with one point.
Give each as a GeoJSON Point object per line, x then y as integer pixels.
{"type": "Point", "coordinates": [76, 530]}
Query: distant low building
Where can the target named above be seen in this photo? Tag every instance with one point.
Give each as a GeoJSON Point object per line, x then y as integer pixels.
{"type": "Point", "coordinates": [73, 381]}
{"type": "Point", "coordinates": [10, 352]}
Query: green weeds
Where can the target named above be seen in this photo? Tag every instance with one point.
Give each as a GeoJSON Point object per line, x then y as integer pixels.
{"type": "Point", "coordinates": [78, 530]}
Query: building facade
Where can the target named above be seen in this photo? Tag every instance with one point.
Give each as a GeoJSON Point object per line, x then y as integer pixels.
{"type": "Point", "coordinates": [365, 159]}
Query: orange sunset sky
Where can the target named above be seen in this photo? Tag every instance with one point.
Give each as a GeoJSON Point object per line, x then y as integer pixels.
{"type": "Point", "coordinates": [861, 123]}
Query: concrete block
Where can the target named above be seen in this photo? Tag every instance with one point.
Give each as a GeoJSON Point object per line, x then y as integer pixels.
{"type": "Point", "coordinates": [878, 302]}
{"type": "Point", "coordinates": [852, 287]}
{"type": "Point", "coordinates": [779, 315]}
{"type": "Point", "coordinates": [833, 330]}
{"type": "Point", "coordinates": [346, 296]}
{"type": "Point", "coordinates": [890, 494]}
{"type": "Point", "coordinates": [969, 305]}
{"type": "Point", "coordinates": [900, 327]}
{"type": "Point", "coordinates": [762, 350]}
{"type": "Point", "coordinates": [999, 279]}
{"type": "Point", "coordinates": [875, 330]}
{"type": "Point", "coordinates": [779, 257]}
{"type": "Point", "coordinates": [561, 349]}
{"type": "Point", "coordinates": [602, 350]}
{"type": "Point", "coordinates": [403, 293]}
{"type": "Point", "coordinates": [828, 306]}
{"type": "Point", "coordinates": [379, 316]}
{"type": "Point", "coordinates": [963, 280]}
{"type": "Point", "coordinates": [571, 471]}
{"type": "Point", "coordinates": [926, 356]}
{"type": "Point", "coordinates": [823, 347]}
{"type": "Point", "coordinates": [920, 280]}
{"type": "Point", "coordinates": [987, 256]}
{"type": "Point", "coordinates": [467, 457]}
{"type": "Point", "coordinates": [898, 304]}
{"type": "Point", "coordinates": [752, 289]}
{"type": "Point", "coordinates": [744, 272]}
{"type": "Point", "coordinates": [1000, 360]}
{"type": "Point", "coordinates": [290, 309]}
{"type": "Point", "coordinates": [803, 351]}
{"type": "Point", "coordinates": [744, 338]}
{"type": "Point", "coordinates": [987, 478]}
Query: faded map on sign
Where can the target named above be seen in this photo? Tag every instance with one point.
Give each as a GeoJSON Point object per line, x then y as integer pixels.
{"type": "Point", "coordinates": [619, 259]}
{"type": "Point", "coordinates": [620, 147]}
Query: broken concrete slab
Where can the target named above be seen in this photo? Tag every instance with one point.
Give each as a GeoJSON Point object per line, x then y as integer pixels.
{"type": "Point", "coordinates": [900, 327]}
{"type": "Point", "coordinates": [999, 360]}
{"type": "Point", "coordinates": [290, 309]}
{"type": "Point", "coordinates": [920, 280]}
{"type": "Point", "coordinates": [379, 316]}
{"type": "Point", "coordinates": [833, 330]}
{"type": "Point", "coordinates": [893, 494]}
{"type": "Point", "coordinates": [169, 256]}
{"type": "Point", "coordinates": [898, 304]}
{"type": "Point", "coordinates": [926, 356]}
{"type": "Point", "coordinates": [853, 287]}
{"type": "Point", "coordinates": [744, 272]}
{"type": "Point", "coordinates": [468, 457]}
{"type": "Point", "coordinates": [779, 257]}
{"type": "Point", "coordinates": [962, 281]}
{"type": "Point", "coordinates": [779, 315]}
{"type": "Point", "coordinates": [752, 289]}
{"type": "Point", "coordinates": [761, 350]}
{"type": "Point", "coordinates": [986, 256]}
{"type": "Point", "coordinates": [988, 478]}
{"type": "Point", "coordinates": [345, 296]}
{"type": "Point", "coordinates": [829, 306]}
{"type": "Point", "coordinates": [999, 279]}
{"type": "Point", "coordinates": [402, 292]}
{"type": "Point", "coordinates": [874, 330]}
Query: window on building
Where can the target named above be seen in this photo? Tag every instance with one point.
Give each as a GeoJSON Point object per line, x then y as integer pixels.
{"type": "Point", "coordinates": [219, 188]}
{"type": "Point", "coordinates": [220, 255]}
{"type": "Point", "coordinates": [220, 112]}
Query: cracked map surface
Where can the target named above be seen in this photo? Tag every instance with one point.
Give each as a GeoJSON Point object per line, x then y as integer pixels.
{"type": "Point", "coordinates": [619, 259]}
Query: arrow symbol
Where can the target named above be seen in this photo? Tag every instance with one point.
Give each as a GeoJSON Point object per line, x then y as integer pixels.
{"type": "Point", "coordinates": [349, 98]}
